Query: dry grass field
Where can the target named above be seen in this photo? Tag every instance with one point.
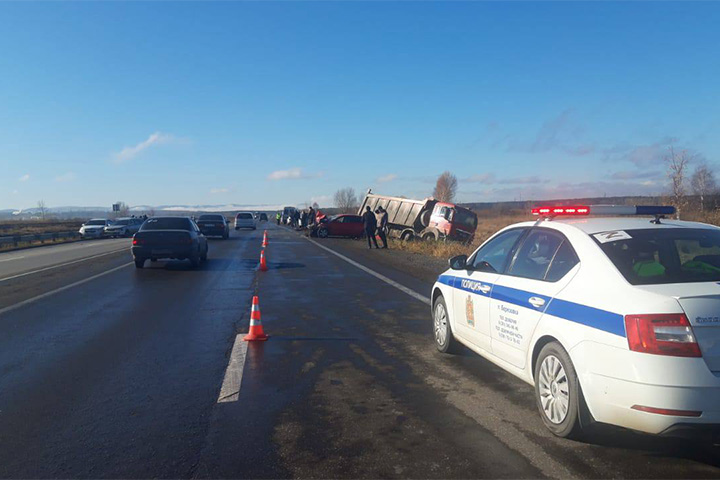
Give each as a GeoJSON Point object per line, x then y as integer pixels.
{"type": "Point", "coordinates": [11, 228]}
{"type": "Point", "coordinates": [490, 222]}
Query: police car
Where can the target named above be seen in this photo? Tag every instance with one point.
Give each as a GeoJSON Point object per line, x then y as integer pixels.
{"type": "Point", "coordinates": [612, 319]}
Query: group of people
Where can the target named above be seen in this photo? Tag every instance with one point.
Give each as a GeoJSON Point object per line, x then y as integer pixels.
{"type": "Point", "coordinates": [375, 224]}
{"type": "Point", "coordinates": [300, 219]}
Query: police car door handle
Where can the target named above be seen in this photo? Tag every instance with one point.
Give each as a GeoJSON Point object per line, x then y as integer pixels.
{"type": "Point", "coordinates": [484, 288]}
{"type": "Point", "coordinates": [536, 302]}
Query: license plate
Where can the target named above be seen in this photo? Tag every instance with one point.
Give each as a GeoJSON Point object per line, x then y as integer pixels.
{"type": "Point", "coordinates": [160, 252]}
{"type": "Point", "coordinates": [210, 225]}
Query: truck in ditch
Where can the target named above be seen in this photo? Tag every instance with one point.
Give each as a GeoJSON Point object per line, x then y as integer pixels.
{"type": "Point", "coordinates": [427, 219]}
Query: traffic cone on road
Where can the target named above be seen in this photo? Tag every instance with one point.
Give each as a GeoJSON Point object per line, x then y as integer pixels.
{"type": "Point", "coordinates": [256, 332]}
{"type": "Point", "coordinates": [265, 239]}
{"type": "Point", "coordinates": [263, 264]}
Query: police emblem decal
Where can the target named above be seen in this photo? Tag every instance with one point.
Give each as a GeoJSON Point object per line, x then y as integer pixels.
{"type": "Point", "coordinates": [470, 311]}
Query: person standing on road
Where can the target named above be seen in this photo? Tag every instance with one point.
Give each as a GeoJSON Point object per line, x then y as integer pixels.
{"type": "Point", "coordinates": [382, 221]}
{"type": "Point", "coordinates": [303, 219]}
{"type": "Point", "coordinates": [311, 217]}
{"type": "Point", "coordinates": [370, 224]}
{"type": "Point", "coordinates": [278, 217]}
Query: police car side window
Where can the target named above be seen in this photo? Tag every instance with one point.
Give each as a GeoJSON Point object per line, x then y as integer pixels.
{"type": "Point", "coordinates": [565, 259]}
{"type": "Point", "coordinates": [497, 251]}
{"type": "Point", "coordinates": [534, 256]}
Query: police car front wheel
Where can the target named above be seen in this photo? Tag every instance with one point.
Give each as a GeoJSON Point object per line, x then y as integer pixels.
{"type": "Point", "coordinates": [444, 340]}
{"type": "Point", "coordinates": [557, 391]}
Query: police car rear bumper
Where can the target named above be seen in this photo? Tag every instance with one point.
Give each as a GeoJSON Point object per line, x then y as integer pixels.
{"type": "Point", "coordinates": [616, 402]}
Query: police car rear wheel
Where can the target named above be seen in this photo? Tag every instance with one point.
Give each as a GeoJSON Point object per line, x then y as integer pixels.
{"type": "Point", "coordinates": [557, 391]}
{"type": "Point", "coordinates": [444, 340]}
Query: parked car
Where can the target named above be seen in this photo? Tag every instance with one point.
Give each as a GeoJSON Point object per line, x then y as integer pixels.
{"type": "Point", "coordinates": [245, 220]}
{"type": "Point", "coordinates": [123, 227]}
{"type": "Point", "coordinates": [263, 217]}
{"type": "Point", "coordinates": [169, 237]}
{"type": "Point", "coordinates": [287, 215]}
{"type": "Point", "coordinates": [94, 228]}
{"type": "Point", "coordinates": [214, 225]}
{"type": "Point", "coordinates": [339, 226]}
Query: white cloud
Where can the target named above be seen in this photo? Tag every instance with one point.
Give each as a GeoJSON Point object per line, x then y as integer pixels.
{"type": "Point", "coordinates": [291, 174]}
{"type": "Point", "coordinates": [15, 192]}
{"type": "Point", "coordinates": [157, 138]}
{"type": "Point", "coordinates": [219, 190]}
{"type": "Point", "coordinates": [387, 178]}
{"type": "Point", "coordinates": [322, 200]}
{"type": "Point", "coordinates": [484, 178]}
{"type": "Point", "coordinates": [24, 178]}
{"type": "Point", "coordinates": [66, 177]}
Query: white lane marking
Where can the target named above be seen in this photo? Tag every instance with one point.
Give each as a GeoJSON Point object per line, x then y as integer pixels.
{"type": "Point", "coordinates": [230, 390]}
{"type": "Point", "coordinates": [375, 274]}
{"type": "Point", "coordinates": [62, 264]}
{"type": "Point", "coordinates": [11, 259]}
{"type": "Point", "coordinates": [62, 289]}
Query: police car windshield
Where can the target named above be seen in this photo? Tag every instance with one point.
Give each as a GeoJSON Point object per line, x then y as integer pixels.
{"type": "Point", "coordinates": [655, 256]}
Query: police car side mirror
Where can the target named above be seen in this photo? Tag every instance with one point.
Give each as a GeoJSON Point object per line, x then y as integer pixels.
{"type": "Point", "coordinates": [458, 262]}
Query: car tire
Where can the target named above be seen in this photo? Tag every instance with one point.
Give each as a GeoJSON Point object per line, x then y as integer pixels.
{"type": "Point", "coordinates": [407, 236]}
{"type": "Point", "coordinates": [195, 260]}
{"type": "Point", "coordinates": [557, 391]}
{"type": "Point", "coordinates": [204, 256]}
{"type": "Point", "coordinates": [323, 233]}
{"type": "Point", "coordinates": [444, 340]}
{"type": "Point", "coordinates": [139, 262]}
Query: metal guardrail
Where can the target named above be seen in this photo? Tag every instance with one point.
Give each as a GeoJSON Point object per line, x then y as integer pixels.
{"type": "Point", "coordinates": [15, 240]}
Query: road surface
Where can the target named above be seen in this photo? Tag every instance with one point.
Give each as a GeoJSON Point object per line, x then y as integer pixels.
{"type": "Point", "coordinates": [109, 371]}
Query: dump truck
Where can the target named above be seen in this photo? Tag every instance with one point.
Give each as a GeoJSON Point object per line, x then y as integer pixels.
{"type": "Point", "coordinates": [427, 219]}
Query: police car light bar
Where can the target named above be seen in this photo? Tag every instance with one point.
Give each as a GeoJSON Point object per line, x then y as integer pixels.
{"type": "Point", "coordinates": [604, 210]}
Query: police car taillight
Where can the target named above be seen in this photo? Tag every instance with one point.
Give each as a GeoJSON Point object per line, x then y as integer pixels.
{"type": "Point", "coordinates": [551, 211]}
{"type": "Point", "coordinates": [661, 334]}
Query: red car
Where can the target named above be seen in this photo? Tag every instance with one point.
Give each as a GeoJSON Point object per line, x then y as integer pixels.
{"type": "Point", "coordinates": [341, 226]}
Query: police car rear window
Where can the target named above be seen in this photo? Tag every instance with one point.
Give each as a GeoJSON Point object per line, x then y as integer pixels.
{"type": "Point", "coordinates": [672, 255]}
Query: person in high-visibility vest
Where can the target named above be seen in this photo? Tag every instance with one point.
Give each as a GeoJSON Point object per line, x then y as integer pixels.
{"type": "Point", "coordinates": [278, 217]}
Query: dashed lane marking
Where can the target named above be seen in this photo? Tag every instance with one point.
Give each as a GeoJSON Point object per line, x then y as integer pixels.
{"type": "Point", "coordinates": [230, 390]}
{"type": "Point", "coordinates": [375, 274]}
{"type": "Point", "coordinates": [61, 289]}
{"type": "Point", "coordinates": [11, 259]}
{"type": "Point", "coordinates": [62, 264]}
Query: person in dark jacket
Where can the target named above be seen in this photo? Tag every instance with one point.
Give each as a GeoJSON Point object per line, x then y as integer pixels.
{"type": "Point", "coordinates": [370, 224]}
{"type": "Point", "coordinates": [382, 221]}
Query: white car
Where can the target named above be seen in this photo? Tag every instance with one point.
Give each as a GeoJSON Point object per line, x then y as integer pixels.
{"type": "Point", "coordinates": [94, 228]}
{"type": "Point", "coordinates": [614, 320]}
{"type": "Point", "coordinates": [245, 220]}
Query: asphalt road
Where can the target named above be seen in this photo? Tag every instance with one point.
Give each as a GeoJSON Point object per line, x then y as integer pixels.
{"type": "Point", "coordinates": [109, 371]}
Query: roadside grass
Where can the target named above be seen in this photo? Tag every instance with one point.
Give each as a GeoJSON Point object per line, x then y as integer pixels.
{"type": "Point", "coordinates": [12, 228]}
{"type": "Point", "coordinates": [11, 246]}
{"type": "Point", "coordinates": [488, 224]}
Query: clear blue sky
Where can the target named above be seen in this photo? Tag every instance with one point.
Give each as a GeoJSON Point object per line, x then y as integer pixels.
{"type": "Point", "coordinates": [281, 102]}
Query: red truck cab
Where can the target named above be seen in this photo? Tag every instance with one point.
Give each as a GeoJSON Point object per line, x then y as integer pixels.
{"type": "Point", "coordinates": [453, 221]}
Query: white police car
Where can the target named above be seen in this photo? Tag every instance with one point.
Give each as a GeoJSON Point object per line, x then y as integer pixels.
{"type": "Point", "coordinates": [615, 320]}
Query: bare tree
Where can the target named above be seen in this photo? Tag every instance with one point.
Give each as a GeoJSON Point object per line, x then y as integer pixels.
{"type": "Point", "coordinates": [703, 183]}
{"type": "Point", "coordinates": [446, 187]}
{"type": "Point", "coordinates": [346, 200]}
{"type": "Point", "coordinates": [43, 209]}
{"type": "Point", "coordinates": [677, 164]}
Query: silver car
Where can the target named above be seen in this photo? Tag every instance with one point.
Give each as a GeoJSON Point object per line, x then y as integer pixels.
{"type": "Point", "coordinates": [124, 227]}
{"type": "Point", "coordinates": [245, 220]}
{"type": "Point", "coordinates": [94, 228]}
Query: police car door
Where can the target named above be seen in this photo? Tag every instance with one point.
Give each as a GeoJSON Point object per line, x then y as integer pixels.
{"type": "Point", "coordinates": [471, 295]}
{"type": "Point", "coordinates": [538, 271]}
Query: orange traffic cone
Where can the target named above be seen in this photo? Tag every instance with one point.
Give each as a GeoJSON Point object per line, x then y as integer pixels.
{"type": "Point", "coordinates": [263, 264]}
{"type": "Point", "coordinates": [265, 239]}
{"type": "Point", "coordinates": [256, 328]}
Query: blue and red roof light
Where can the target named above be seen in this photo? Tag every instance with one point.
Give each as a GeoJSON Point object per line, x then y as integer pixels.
{"type": "Point", "coordinates": [554, 211]}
